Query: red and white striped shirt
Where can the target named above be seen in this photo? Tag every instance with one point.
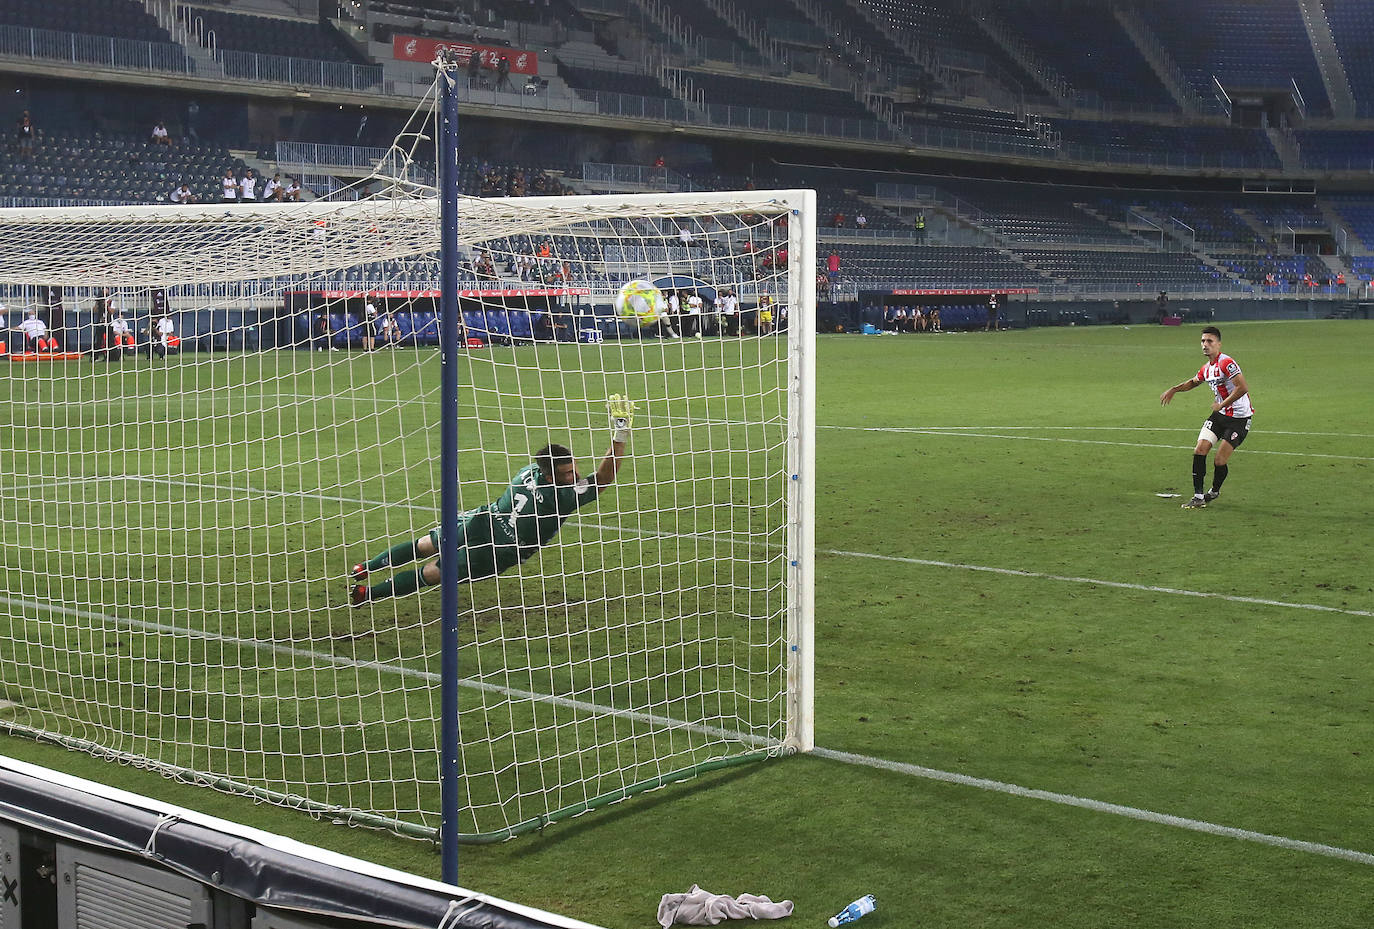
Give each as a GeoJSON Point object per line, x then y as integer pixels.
{"type": "Point", "coordinates": [1220, 375]}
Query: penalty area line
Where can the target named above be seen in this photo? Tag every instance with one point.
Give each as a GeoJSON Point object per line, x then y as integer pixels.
{"type": "Point", "coordinates": [1119, 585]}
{"type": "Point", "coordinates": [1098, 806]}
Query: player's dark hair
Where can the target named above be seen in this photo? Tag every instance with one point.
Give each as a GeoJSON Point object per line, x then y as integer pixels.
{"type": "Point", "coordinates": [1212, 330]}
{"type": "Point", "coordinates": [550, 457]}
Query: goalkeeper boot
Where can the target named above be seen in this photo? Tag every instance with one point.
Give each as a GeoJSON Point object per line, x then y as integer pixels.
{"type": "Point", "coordinates": [1196, 503]}
{"type": "Point", "coordinates": [358, 595]}
{"type": "Point", "coordinates": [1210, 495]}
{"type": "Point", "coordinates": [359, 572]}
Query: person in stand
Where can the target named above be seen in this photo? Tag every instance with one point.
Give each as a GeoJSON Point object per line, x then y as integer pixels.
{"type": "Point", "coordinates": [121, 337]}
{"type": "Point", "coordinates": [272, 190]}
{"type": "Point", "coordinates": [293, 191]}
{"type": "Point", "coordinates": [391, 332]}
{"type": "Point", "coordinates": [36, 338]}
{"type": "Point", "coordinates": [322, 332]}
{"type": "Point", "coordinates": [370, 327]}
{"type": "Point", "coordinates": [248, 187]}
{"type": "Point", "coordinates": [229, 187]}
{"type": "Point", "coordinates": [27, 135]}
{"type": "Point", "coordinates": [160, 135]}
{"type": "Point", "coordinates": [164, 340]}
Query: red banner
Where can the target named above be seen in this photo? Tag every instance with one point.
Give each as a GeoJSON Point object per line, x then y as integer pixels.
{"type": "Point", "coordinates": [419, 48]}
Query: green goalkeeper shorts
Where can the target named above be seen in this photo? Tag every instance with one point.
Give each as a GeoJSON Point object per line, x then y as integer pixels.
{"type": "Point", "coordinates": [480, 555]}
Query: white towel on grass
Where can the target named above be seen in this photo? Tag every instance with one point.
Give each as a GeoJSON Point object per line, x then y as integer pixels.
{"type": "Point", "coordinates": [699, 908]}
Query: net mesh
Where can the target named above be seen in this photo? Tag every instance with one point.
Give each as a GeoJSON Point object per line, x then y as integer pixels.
{"type": "Point", "coordinates": [179, 515]}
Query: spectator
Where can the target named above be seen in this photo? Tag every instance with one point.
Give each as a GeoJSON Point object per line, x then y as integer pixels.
{"type": "Point", "coordinates": [391, 333]}
{"type": "Point", "coordinates": [729, 314]}
{"type": "Point", "coordinates": [272, 190]}
{"type": "Point", "coordinates": [370, 327]}
{"type": "Point", "coordinates": [248, 187]}
{"type": "Point", "coordinates": [36, 338]}
{"type": "Point", "coordinates": [837, 220]}
{"type": "Point", "coordinates": [164, 337]}
{"type": "Point", "coordinates": [322, 332]}
{"type": "Point", "coordinates": [822, 286]}
{"type": "Point", "coordinates": [765, 315]}
{"type": "Point", "coordinates": [121, 337]}
{"type": "Point", "coordinates": [686, 237]}
{"type": "Point", "coordinates": [182, 195]}
{"type": "Point", "coordinates": [229, 188]}
{"type": "Point", "coordinates": [474, 68]}
{"type": "Point", "coordinates": [861, 221]}
{"type": "Point", "coordinates": [832, 267]}
{"type": "Point", "coordinates": [659, 162]}
{"type": "Point", "coordinates": [691, 323]}
{"type": "Point", "coordinates": [160, 136]}
{"type": "Point", "coordinates": [293, 191]}
{"type": "Point", "coordinates": [503, 71]}
{"type": "Point", "coordinates": [27, 135]}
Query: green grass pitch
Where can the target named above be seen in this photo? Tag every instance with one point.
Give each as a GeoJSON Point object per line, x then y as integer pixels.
{"type": "Point", "coordinates": [1002, 595]}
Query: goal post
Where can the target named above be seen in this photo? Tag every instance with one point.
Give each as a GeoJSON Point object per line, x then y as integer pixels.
{"type": "Point", "coordinates": [177, 532]}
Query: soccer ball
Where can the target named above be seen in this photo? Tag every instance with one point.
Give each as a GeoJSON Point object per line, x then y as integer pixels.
{"type": "Point", "coordinates": [639, 301]}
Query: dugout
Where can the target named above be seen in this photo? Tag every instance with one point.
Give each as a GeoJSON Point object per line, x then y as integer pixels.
{"type": "Point", "coordinates": [958, 308]}
{"type": "Point", "coordinates": [502, 317]}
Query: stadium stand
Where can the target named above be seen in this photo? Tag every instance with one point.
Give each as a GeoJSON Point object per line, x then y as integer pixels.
{"type": "Point", "coordinates": [1154, 143]}
{"type": "Point", "coordinates": [932, 266]}
{"type": "Point", "coordinates": [1021, 214]}
{"type": "Point", "coordinates": [1358, 211]}
{"type": "Point", "coordinates": [269, 35]}
{"type": "Point", "coordinates": [1337, 149]}
{"type": "Point", "coordinates": [1107, 270]}
{"type": "Point", "coordinates": [1352, 24]}
{"type": "Point", "coordinates": [1244, 43]}
{"type": "Point", "coordinates": [773, 95]}
{"type": "Point", "coordinates": [122, 19]}
{"type": "Point", "coordinates": [1091, 50]}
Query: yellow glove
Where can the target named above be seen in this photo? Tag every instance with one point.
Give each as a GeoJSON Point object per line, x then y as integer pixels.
{"type": "Point", "coordinates": [622, 410]}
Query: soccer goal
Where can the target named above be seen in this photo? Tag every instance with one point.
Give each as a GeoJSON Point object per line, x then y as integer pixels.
{"type": "Point", "coordinates": [179, 522]}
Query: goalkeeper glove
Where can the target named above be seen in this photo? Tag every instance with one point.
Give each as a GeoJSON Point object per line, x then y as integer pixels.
{"type": "Point", "coordinates": [622, 411]}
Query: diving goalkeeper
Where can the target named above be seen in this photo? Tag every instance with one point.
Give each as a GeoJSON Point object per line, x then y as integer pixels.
{"type": "Point", "coordinates": [500, 535]}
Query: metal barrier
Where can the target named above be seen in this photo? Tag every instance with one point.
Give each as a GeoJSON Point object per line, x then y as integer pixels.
{"type": "Point", "coordinates": [78, 48]}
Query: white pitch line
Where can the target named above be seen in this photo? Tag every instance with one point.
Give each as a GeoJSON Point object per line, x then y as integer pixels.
{"type": "Point", "coordinates": [1045, 438]}
{"type": "Point", "coordinates": [963, 780]}
{"type": "Point", "coordinates": [1098, 582]}
{"type": "Point", "coordinates": [656, 535]}
{"type": "Point", "coordinates": [1099, 806]}
{"type": "Point", "coordinates": [956, 429]}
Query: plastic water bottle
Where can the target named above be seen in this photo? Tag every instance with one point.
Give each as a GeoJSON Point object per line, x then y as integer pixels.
{"type": "Point", "coordinates": [860, 907]}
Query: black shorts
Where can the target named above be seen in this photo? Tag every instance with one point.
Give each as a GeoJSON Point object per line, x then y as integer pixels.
{"type": "Point", "coordinates": [1231, 429]}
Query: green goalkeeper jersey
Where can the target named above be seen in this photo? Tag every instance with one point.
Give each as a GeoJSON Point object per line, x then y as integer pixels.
{"type": "Point", "coordinates": [530, 512]}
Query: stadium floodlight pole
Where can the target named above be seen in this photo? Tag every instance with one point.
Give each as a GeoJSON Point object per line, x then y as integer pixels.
{"type": "Point", "coordinates": [449, 334]}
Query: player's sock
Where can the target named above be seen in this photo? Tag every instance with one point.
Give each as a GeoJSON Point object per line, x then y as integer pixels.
{"type": "Point", "coordinates": [394, 557]}
{"type": "Point", "coordinates": [1219, 476]}
{"type": "Point", "coordinates": [1199, 473]}
{"type": "Point", "coordinates": [407, 582]}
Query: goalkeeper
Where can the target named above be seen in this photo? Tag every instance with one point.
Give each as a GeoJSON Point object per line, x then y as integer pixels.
{"type": "Point", "coordinates": [500, 535]}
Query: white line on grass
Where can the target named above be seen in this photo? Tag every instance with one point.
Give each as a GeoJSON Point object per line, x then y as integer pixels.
{"type": "Point", "coordinates": [1098, 806]}
{"type": "Point", "coordinates": [1119, 585]}
{"type": "Point", "coordinates": [1044, 438]}
{"type": "Point", "coordinates": [897, 767]}
{"type": "Point", "coordinates": [956, 429]}
{"type": "Point", "coordinates": [650, 534]}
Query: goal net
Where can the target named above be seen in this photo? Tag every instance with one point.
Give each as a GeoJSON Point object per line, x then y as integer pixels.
{"type": "Point", "coordinates": [179, 515]}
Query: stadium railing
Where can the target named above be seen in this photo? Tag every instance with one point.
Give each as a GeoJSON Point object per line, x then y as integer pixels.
{"type": "Point", "coordinates": [79, 48]}
{"type": "Point", "coordinates": [279, 69]}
